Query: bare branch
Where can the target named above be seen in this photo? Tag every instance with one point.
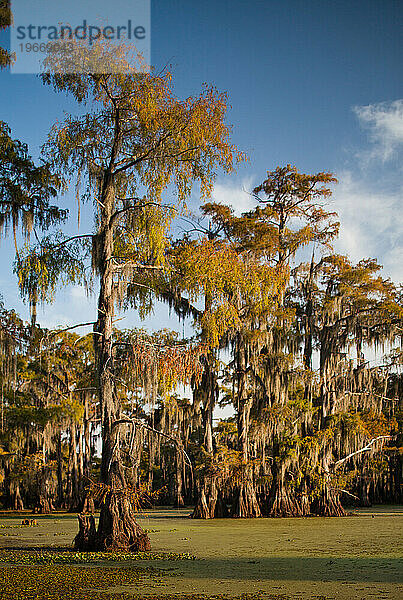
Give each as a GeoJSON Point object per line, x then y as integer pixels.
{"type": "Point", "coordinates": [133, 422]}
{"type": "Point", "coordinates": [56, 331]}
{"type": "Point", "coordinates": [134, 265]}
{"type": "Point", "coordinates": [344, 492]}
{"type": "Point", "coordinates": [364, 449]}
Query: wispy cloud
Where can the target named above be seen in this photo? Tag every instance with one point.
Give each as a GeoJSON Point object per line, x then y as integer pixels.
{"type": "Point", "coordinates": [237, 195]}
{"type": "Point", "coordinates": [78, 294]}
{"type": "Point", "coordinates": [72, 306]}
{"type": "Point", "coordinates": [371, 226]}
{"type": "Point", "coordinates": [385, 124]}
{"type": "Point", "coordinates": [369, 200]}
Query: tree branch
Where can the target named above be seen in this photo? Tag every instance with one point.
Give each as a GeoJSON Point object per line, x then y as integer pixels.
{"type": "Point", "coordinates": [133, 422]}
{"type": "Point", "coordinates": [134, 264]}
{"type": "Point", "coordinates": [364, 449]}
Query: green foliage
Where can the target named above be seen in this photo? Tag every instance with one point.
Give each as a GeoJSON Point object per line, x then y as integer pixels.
{"type": "Point", "coordinates": [233, 284]}
{"type": "Point", "coordinates": [5, 22]}
{"type": "Point", "coordinates": [25, 189]}
{"type": "Point", "coordinates": [75, 582]}
{"type": "Point", "coordinates": [54, 261]}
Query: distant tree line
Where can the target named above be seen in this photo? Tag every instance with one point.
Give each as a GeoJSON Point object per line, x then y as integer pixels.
{"type": "Point", "coordinates": [288, 345]}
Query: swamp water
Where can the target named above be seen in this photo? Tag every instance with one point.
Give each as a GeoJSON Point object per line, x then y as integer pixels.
{"type": "Point", "coordinates": [356, 557]}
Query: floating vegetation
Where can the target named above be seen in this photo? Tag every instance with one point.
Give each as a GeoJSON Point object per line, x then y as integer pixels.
{"type": "Point", "coordinates": [75, 583]}
{"type": "Point", "coordinates": [51, 580]}
{"type": "Point", "coordinates": [222, 597]}
{"type": "Point", "coordinates": [52, 557]}
{"type": "Point", "coordinates": [81, 583]}
{"type": "Point", "coordinates": [20, 526]}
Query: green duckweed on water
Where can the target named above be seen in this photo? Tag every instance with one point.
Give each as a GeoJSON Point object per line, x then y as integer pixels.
{"type": "Point", "coordinates": [52, 557]}
{"type": "Point", "coordinates": [54, 582]}
{"type": "Point", "coordinates": [358, 557]}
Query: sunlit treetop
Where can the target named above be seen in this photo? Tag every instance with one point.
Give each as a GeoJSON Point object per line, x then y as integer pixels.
{"type": "Point", "coordinates": [294, 204]}
{"type": "Point", "coordinates": [248, 233]}
{"type": "Point", "coordinates": [223, 285]}
{"type": "Point", "coordinates": [140, 132]}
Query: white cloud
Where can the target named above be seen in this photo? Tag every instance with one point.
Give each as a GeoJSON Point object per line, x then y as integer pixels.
{"type": "Point", "coordinates": [236, 195]}
{"type": "Point", "coordinates": [54, 317]}
{"type": "Point", "coordinates": [78, 293]}
{"type": "Point", "coordinates": [71, 306]}
{"type": "Point", "coordinates": [385, 123]}
{"type": "Point", "coordinates": [371, 224]}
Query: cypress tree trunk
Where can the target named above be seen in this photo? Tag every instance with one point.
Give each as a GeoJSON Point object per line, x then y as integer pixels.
{"type": "Point", "coordinates": [210, 503]}
{"type": "Point", "coordinates": [303, 497]}
{"type": "Point", "coordinates": [44, 501]}
{"type": "Point", "coordinates": [117, 528]}
{"type": "Point", "coordinates": [309, 318]}
{"type": "Point", "coordinates": [73, 492]}
{"type": "Point", "coordinates": [282, 501]}
{"type": "Point", "coordinates": [328, 502]}
{"type": "Point", "coordinates": [16, 502]}
{"type": "Point", "coordinates": [179, 501]}
{"type": "Point", "coordinates": [60, 489]}
{"type": "Point", "coordinates": [80, 464]}
{"type": "Point", "coordinates": [396, 475]}
{"type": "Point", "coordinates": [364, 488]}
{"type": "Point", "coordinates": [245, 503]}
{"type": "Point", "coordinates": [151, 458]}
{"type": "Point", "coordinates": [88, 502]}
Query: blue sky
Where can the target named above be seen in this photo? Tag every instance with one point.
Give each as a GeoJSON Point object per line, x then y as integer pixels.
{"type": "Point", "coordinates": [313, 83]}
